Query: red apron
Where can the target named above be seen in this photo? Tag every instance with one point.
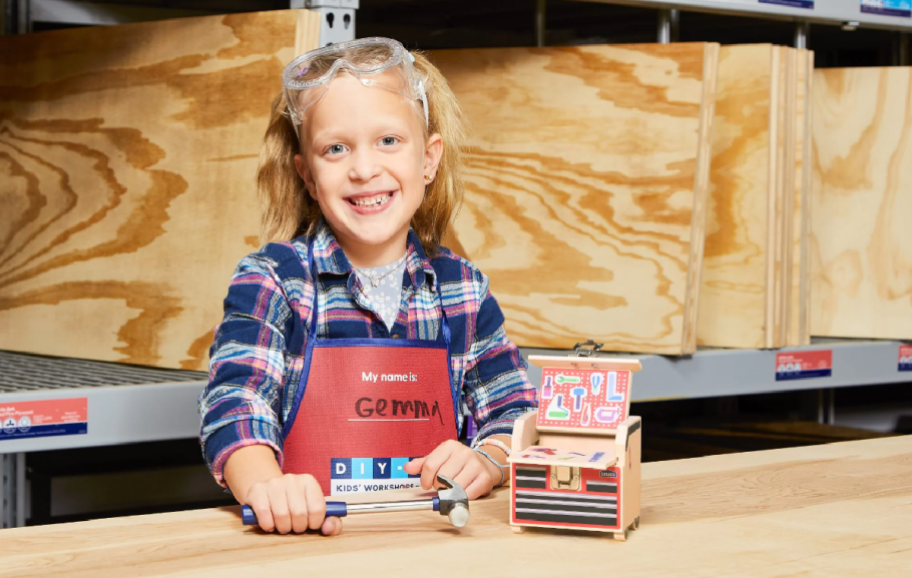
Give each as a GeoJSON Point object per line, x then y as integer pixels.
{"type": "Point", "coordinates": [365, 407]}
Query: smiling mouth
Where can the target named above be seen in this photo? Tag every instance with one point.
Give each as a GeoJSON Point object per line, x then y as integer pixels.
{"type": "Point", "coordinates": [372, 201]}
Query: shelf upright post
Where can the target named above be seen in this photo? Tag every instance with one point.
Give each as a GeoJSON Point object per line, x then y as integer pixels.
{"type": "Point", "coordinates": [540, 13]}
{"type": "Point", "coordinates": [12, 490]}
{"type": "Point", "coordinates": [802, 32]}
{"type": "Point", "coordinates": [337, 18]}
{"type": "Point", "coordinates": [668, 25]}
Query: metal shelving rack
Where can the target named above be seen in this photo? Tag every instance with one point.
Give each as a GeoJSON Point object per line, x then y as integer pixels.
{"type": "Point", "coordinates": [835, 12]}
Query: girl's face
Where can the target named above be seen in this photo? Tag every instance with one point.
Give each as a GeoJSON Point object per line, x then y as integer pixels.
{"type": "Point", "coordinates": [364, 160]}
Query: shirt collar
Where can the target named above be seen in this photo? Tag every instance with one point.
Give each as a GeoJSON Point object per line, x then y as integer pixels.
{"type": "Point", "coordinates": [329, 258]}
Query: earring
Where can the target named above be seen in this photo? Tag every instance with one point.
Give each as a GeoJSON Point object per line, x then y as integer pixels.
{"type": "Point", "coordinates": [428, 178]}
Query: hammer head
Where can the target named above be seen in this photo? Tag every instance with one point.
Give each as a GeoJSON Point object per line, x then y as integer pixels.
{"type": "Point", "coordinates": [454, 503]}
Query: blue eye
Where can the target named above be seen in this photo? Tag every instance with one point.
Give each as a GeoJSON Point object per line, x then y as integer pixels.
{"type": "Point", "coordinates": [336, 149]}
{"type": "Point", "coordinates": [389, 141]}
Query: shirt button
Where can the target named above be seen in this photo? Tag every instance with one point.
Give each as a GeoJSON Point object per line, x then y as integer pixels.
{"type": "Point", "coordinates": [396, 336]}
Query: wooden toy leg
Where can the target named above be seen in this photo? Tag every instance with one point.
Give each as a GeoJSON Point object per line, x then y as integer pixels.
{"type": "Point", "coordinates": [621, 536]}
{"type": "Point", "coordinates": [636, 523]}
{"type": "Point", "coordinates": [517, 529]}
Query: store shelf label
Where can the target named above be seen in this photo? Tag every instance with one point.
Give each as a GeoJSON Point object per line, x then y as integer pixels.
{"type": "Point", "coordinates": [804, 364]}
{"type": "Point", "coordinates": [791, 3]}
{"type": "Point", "coordinates": [36, 419]}
{"type": "Point", "coordinates": [901, 8]}
{"type": "Point", "coordinates": [905, 358]}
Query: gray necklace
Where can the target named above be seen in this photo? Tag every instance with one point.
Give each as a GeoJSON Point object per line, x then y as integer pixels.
{"type": "Point", "coordinates": [376, 280]}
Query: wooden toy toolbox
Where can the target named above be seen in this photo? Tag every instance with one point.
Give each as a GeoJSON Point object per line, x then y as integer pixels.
{"type": "Point", "coordinates": [575, 462]}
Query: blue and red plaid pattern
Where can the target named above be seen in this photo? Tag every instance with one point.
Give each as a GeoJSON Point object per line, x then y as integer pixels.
{"type": "Point", "coordinates": [257, 357]}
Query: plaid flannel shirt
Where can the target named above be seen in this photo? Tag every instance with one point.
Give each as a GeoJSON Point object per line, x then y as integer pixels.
{"type": "Point", "coordinates": [257, 357]}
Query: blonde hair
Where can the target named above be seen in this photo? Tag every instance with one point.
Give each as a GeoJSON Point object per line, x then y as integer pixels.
{"type": "Point", "coordinates": [287, 210]}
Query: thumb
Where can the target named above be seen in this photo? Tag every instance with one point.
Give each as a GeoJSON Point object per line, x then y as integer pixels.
{"type": "Point", "coordinates": [331, 526]}
{"type": "Point", "coordinates": [414, 466]}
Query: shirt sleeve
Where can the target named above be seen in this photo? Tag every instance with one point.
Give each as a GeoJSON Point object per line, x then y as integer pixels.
{"type": "Point", "coordinates": [241, 405]}
{"type": "Point", "coordinates": [498, 390]}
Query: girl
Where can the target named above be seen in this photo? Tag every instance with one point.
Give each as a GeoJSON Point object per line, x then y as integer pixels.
{"type": "Point", "coordinates": [352, 342]}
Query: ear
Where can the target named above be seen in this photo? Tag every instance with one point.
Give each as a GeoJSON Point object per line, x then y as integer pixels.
{"type": "Point", "coordinates": [433, 152]}
{"type": "Point", "coordinates": [304, 172]}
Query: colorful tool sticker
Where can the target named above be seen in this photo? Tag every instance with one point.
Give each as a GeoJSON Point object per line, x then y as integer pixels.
{"type": "Point", "coordinates": [555, 454]}
{"type": "Point", "coordinates": [905, 358]}
{"type": "Point", "coordinates": [351, 475]}
{"type": "Point", "coordinates": [901, 8]}
{"type": "Point", "coordinates": [804, 364]}
{"type": "Point", "coordinates": [809, 4]}
{"type": "Point", "coordinates": [35, 419]}
{"type": "Point", "coordinates": [584, 398]}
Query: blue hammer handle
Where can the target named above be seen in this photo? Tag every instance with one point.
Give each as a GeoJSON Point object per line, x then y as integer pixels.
{"type": "Point", "coordinates": [340, 509]}
{"type": "Point", "coordinates": [337, 509]}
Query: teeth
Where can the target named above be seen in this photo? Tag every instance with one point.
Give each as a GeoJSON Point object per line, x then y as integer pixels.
{"type": "Point", "coordinates": [374, 202]}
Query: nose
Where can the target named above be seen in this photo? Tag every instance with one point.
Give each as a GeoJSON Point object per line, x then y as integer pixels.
{"type": "Point", "coordinates": [364, 165]}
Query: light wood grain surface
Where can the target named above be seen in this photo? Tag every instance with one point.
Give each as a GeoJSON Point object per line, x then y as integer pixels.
{"type": "Point", "coordinates": [861, 238]}
{"type": "Point", "coordinates": [127, 195]}
{"type": "Point", "coordinates": [587, 187]}
{"type": "Point", "coordinates": [798, 306]}
{"type": "Point", "coordinates": [735, 286]}
{"type": "Point", "coordinates": [840, 510]}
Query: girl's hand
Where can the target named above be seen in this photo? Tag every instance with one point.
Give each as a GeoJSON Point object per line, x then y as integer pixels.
{"type": "Point", "coordinates": [291, 503]}
{"type": "Point", "coordinates": [471, 470]}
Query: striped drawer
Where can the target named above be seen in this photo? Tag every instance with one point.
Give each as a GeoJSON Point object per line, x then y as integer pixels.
{"type": "Point", "coordinates": [565, 508]}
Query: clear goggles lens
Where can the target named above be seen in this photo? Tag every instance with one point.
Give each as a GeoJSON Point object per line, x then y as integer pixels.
{"type": "Point", "coordinates": [375, 62]}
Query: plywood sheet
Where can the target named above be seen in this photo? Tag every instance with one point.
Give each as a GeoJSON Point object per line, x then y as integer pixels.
{"type": "Point", "coordinates": [785, 183]}
{"type": "Point", "coordinates": [737, 263]}
{"type": "Point", "coordinates": [861, 241]}
{"type": "Point", "coordinates": [127, 164]}
{"type": "Point", "coordinates": [587, 185]}
{"type": "Point", "coordinates": [798, 306]}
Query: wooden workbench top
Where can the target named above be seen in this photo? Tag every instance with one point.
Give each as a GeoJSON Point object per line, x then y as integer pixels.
{"type": "Point", "coordinates": [836, 510]}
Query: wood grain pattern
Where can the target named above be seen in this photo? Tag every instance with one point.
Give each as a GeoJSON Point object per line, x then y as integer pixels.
{"type": "Point", "coordinates": [861, 241]}
{"type": "Point", "coordinates": [751, 291]}
{"type": "Point", "coordinates": [127, 194]}
{"type": "Point", "coordinates": [587, 186]}
{"type": "Point", "coordinates": [838, 510]}
{"type": "Point", "coordinates": [798, 306]}
{"type": "Point", "coordinates": [785, 189]}
{"type": "Point", "coordinates": [735, 288]}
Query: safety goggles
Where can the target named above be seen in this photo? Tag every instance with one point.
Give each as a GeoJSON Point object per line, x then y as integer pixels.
{"type": "Point", "coordinates": [375, 62]}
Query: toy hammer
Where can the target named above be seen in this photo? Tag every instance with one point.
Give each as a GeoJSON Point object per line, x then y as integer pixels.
{"type": "Point", "coordinates": [451, 502]}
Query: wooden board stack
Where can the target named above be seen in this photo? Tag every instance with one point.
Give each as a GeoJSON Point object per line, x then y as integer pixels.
{"type": "Point", "coordinates": [754, 282]}
{"type": "Point", "coordinates": [861, 241]}
{"type": "Point", "coordinates": [127, 164]}
{"type": "Point", "coordinates": [587, 188]}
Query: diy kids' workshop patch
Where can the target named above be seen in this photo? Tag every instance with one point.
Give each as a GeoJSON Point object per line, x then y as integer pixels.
{"type": "Point", "coordinates": [351, 475]}
{"type": "Point", "coordinates": [35, 419]}
{"type": "Point", "coordinates": [584, 398]}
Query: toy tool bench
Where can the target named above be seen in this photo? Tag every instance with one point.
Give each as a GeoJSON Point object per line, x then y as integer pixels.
{"type": "Point", "coordinates": [575, 462]}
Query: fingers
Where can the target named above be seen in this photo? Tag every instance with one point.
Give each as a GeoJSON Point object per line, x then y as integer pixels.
{"type": "Point", "coordinates": [296, 498]}
{"type": "Point", "coordinates": [258, 499]}
{"type": "Point", "coordinates": [480, 486]}
{"type": "Point", "coordinates": [414, 466]}
{"type": "Point", "coordinates": [290, 503]}
{"type": "Point", "coordinates": [316, 503]}
{"type": "Point", "coordinates": [434, 461]}
{"type": "Point", "coordinates": [278, 502]}
{"type": "Point", "coordinates": [332, 526]}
